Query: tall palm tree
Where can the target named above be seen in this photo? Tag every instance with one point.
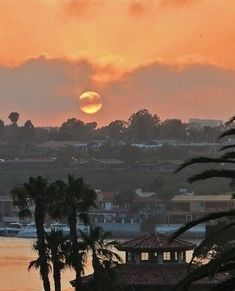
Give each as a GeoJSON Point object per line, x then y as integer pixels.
{"type": "Point", "coordinates": [104, 257]}
{"type": "Point", "coordinates": [58, 245]}
{"type": "Point", "coordinates": [35, 192]}
{"type": "Point", "coordinates": [73, 199]}
{"type": "Point", "coordinates": [223, 259]}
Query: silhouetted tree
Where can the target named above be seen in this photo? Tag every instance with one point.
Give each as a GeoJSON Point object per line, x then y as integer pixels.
{"type": "Point", "coordinates": [116, 129]}
{"type": "Point", "coordinates": [173, 129]}
{"type": "Point", "coordinates": [35, 191]}
{"type": "Point", "coordinates": [28, 131]}
{"type": "Point", "coordinates": [142, 125]}
{"type": "Point", "coordinates": [73, 199]}
{"type": "Point", "coordinates": [14, 117]}
{"type": "Point", "coordinates": [104, 258]}
{"type": "Point", "coordinates": [2, 127]}
{"type": "Point", "coordinates": [58, 245]}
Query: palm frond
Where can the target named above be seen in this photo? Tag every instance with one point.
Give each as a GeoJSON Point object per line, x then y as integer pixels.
{"type": "Point", "coordinates": [230, 120]}
{"type": "Point", "coordinates": [225, 157]}
{"type": "Point", "coordinates": [204, 219]}
{"type": "Point", "coordinates": [213, 173]}
{"type": "Point", "coordinates": [228, 132]}
{"type": "Point", "coordinates": [209, 241]}
{"type": "Point", "coordinates": [226, 147]}
{"type": "Point", "coordinates": [199, 160]}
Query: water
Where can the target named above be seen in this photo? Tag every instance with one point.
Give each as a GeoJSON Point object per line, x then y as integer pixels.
{"type": "Point", "coordinates": [15, 255]}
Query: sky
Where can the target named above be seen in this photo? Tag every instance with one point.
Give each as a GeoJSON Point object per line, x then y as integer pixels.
{"type": "Point", "coordinates": [173, 57]}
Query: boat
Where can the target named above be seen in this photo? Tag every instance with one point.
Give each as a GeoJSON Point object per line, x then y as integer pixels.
{"type": "Point", "coordinates": [30, 230]}
{"type": "Point", "coordinates": [12, 229]}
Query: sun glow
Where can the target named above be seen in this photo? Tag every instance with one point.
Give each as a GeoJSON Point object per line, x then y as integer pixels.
{"type": "Point", "coordinates": [90, 102]}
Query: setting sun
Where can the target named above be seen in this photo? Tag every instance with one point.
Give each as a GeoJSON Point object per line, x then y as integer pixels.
{"type": "Point", "coordinates": [90, 102]}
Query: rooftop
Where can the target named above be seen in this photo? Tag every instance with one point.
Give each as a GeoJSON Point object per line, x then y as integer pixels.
{"type": "Point", "coordinates": [186, 197]}
{"type": "Point", "coordinates": [155, 241]}
{"type": "Point", "coordinates": [149, 275]}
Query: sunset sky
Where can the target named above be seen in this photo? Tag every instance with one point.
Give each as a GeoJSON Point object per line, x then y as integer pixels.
{"type": "Point", "coordinates": [173, 57]}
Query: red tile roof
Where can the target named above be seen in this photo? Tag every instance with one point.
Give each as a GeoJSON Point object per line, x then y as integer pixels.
{"type": "Point", "coordinates": [160, 275]}
{"type": "Point", "coordinates": [155, 242]}
{"type": "Point", "coordinates": [154, 275]}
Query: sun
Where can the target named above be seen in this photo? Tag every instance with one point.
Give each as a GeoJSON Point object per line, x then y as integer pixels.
{"type": "Point", "coordinates": [90, 102]}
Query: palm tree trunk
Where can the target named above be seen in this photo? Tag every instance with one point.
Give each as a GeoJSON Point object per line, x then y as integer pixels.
{"type": "Point", "coordinates": [77, 263]}
{"type": "Point", "coordinates": [39, 221]}
{"type": "Point", "coordinates": [57, 277]}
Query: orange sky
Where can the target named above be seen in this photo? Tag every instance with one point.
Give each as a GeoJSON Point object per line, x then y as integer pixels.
{"type": "Point", "coordinates": [135, 53]}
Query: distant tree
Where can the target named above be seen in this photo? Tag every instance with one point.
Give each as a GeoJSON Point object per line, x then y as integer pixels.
{"type": "Point", "coordinates": [28, 124]}
{"type": "Point", "coordinates": [173, 129]}
{"type": "Point", "coordinates": [124, 196]}
{"type": "Point", "coordinates": [14, 117]}
{"type": "Point", "coordinates": [28, 131]}
{"type": "Point", "coordinates": [142, 125]}
{"type": "Point", "coordinates": [116, 129]}
{"type": "Point", "coordinates": [75, 129]}
{"type": "Point", "coordinates": [2, 127]}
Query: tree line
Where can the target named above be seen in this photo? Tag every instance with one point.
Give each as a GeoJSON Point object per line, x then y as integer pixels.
{"type": "Point", "coordinates": [56, 251]}
{"type": "Point", "coordinates": [141, 126]}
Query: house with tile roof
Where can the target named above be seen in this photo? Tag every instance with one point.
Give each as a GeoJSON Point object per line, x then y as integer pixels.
{"type": "Point", "coordinates": [152, 264]}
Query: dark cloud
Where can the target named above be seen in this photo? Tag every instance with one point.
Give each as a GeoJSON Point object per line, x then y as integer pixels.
{"type": "Point", "coordinates": [45, 90]}
{"type": "Point", "coordinates": [42, 89]}
{"type": "Point", "coordinates": [195, 90]}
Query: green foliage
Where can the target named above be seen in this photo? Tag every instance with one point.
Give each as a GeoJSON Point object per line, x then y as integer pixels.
{"type": "Point", "coordinates": [104, 259]}
{"type": "Point", "coordinates": [218, 246]}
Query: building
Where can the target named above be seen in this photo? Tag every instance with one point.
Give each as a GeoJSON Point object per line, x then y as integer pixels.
{"type": "Point", "coordinates": [120, 220]}
{"type": "Point", "coordinates": [197, 123]}
{"type": "Point", "coordinates": [112, 164]}
{"type": "Point", "coordinates": [186, 207]}
{"type": "Point", "coordinates": [7, 212]}
{"type": "Point", "coordinates": [152, 264]}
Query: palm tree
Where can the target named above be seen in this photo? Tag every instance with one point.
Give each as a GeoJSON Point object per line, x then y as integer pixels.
{"type": "Point", "coordinates": [72, 199]}
{"type": "Point", "coordinates": [104, 258]}
{"type": "Point", "coordinates": [35, 191]}
{"type": "Point", "coordinates": [222, 260]}
{"type": "Point", "coordinates": [58, 245]}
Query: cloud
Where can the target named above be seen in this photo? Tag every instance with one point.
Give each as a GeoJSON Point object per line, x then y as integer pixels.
{"type": "Point", "coordinates": [172, 91]}
{"type": "Point", "coordinates": [45, 90]}
{"type": "Point", "coordinates": [137, 8]}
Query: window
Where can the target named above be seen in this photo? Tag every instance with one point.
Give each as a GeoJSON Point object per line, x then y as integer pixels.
{"type": "Point", "coordinates": [166, 256]}
{"type": "Point", "coordinates": [155, 255]}
{"type": "Point", "coordinates": [144, 256]}
{"type": "Point", "coordinates": [129, 256]}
